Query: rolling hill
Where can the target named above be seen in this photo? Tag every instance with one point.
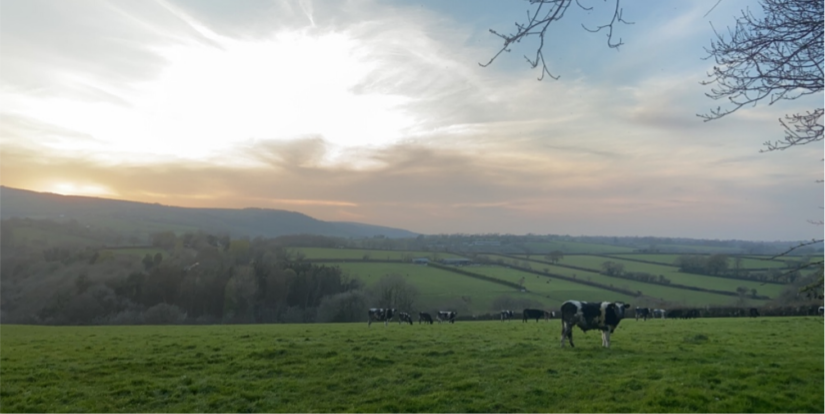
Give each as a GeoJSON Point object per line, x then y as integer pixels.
{"type": "Point", "coordinates": [143, 218]}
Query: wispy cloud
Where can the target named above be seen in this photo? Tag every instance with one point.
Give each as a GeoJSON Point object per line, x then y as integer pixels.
{"type": "Point", "coordinates": [379, 112]}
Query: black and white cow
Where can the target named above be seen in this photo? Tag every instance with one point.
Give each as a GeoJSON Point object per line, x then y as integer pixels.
{"type": "Point", "coordinates": [534, 314]}
{"type": "Point", "coordinates": [643, 313]}
{"type": "Point", "coordinates": [659, 313]}
{"type": "Point", "coordinates": [506, 314]}
{"type": "Point", "coordinates": [604, 316]}
{"type": "Point", "coordinates": [404, 317]}
{"type": "Point", "coordinates": [753, 312]}
{"type": "Point", "coordinates": [422, 316]}
{"type": "Point", "coordinates": [446, 316]}
{"type": "Point", "coordinates": [380, 314]}
{"type": "Point", "coordinates": [676, 314]}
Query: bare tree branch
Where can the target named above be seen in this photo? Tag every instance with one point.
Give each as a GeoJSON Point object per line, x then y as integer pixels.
{"type": "Point", "coordinates": [800, 245]}
{"type": "Point", "coordinates": [800, 129]}
{"type": "Point", "coordinates": [711, 9]}
{"type": "Point", "coordinates": [538, 21]}
{"type": "Point", "coordinates": [778, 56]}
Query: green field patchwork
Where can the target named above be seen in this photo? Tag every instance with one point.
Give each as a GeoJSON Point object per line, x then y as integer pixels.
{"type": "Point", "coordinates": [763, 262]}
{"type": "Point", "coordinates": [332, 253]}
{"type": "Point", "coordinates": [675, 276]}
{"type": "Point", "coordinates": [671, 294]}
{"type": "Point", "coordinates": [567, 247]}
{"type": "Point", "coordinates": [436, 286]}
{"type": "Point", "coordinates": [554, 289]}
{"type": "Point", "coordinates": [28, 235]}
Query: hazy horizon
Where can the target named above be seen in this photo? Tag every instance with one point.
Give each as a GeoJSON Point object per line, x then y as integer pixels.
{"type": "Point", "coordinates": [377, 112]}
{"type": "Point", "coordinates": [480, 234]}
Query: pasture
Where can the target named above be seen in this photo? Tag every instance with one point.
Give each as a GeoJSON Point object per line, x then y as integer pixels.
{"type": "Point", "coordinates": [331, 253]}
{"type": "Point", "coordinates": [673, 273]}
{"type": "Point", "coordinates": [665, 292]}
{"type": "Point", "coordinates": [746, 262]}
{"type": "Point", "coordinates": [554, 290]}
{"type": "Point", "coordinates": [574, 247]}
{"type": "Point", "coordinates": [703, 365]}
{"type": "Point", "coordinates": [436, 287]}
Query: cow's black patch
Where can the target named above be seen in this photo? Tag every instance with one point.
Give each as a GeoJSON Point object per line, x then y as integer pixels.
{"type": "Point", "coordinates": [533, 314]}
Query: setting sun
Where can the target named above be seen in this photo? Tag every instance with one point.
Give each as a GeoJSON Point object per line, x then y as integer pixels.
{"type": "Point", "coordinates": [64, 188]}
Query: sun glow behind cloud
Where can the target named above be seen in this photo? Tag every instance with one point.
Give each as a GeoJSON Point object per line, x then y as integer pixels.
{"type": "Point", "coordinates": [67, 188]}
{"type": "Point", "coordinates": [211, 97]}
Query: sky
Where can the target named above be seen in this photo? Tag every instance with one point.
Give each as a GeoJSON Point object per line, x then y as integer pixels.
{"type": "Point", "coordinates": [378, 112]}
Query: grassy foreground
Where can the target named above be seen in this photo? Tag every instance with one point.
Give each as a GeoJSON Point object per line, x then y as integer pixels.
{"type": "Point", "coordinates": [704, 365]}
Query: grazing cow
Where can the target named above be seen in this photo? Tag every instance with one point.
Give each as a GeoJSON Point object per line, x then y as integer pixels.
{"type": "Point", "coordinates": [534, 314]}
{"type": "Point", "coordinates": [659, 313]}
{"type": "Point", "coordinates": [422, 316]}
{"type": "Point", "coordinates": [506, 314]}
{"type": "Point", "coordinates": [643, 313]}
{"type": "Point", "coordinates": [754, 312]}
{"type": "Point", "coordinates": [675, 313]}
{"type": "Point", "coordinates": [444, 316]}
{"type": "Point", "coordinates": [604, 316]}
{"type": "Point", "coordinates": [405, 317]}
{"type": "Point", "coordinates": [380, 314]}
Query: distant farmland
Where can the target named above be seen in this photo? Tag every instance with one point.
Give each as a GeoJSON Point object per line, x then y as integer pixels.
{"type": "Point", "coordinates": [437, 286]}
{"type": "Point", "coordinates": [672, 272]}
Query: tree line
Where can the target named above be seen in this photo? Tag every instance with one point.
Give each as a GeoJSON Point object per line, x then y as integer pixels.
{"type": "Point", "coordinates": [191, 278]}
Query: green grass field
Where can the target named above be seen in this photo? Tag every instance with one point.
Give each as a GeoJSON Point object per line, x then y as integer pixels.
{"type": "Point", "coordinates": [28, 235]}
{"type": "Point", "coordinates": [703, 365]}
{"type": "Point", "coordinates": [763, 262]}
{"type": "Point", "coordinates": [575, 247]}
{"type": "Point", "coordinates": [436, 287]}
{"type": "Point", "coordinates": [331, 253]}
{"type": "Point", "coordinates": [669, 293]}
{"type": "Point", "coordinates": [672, 273]}
{"type": "Point", "coordinates": [552, 291]}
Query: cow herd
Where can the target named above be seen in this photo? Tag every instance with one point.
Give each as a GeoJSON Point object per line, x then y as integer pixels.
{"type": "Point", "coordinates": [602, 316]}
{"type": "Point", "coordinates": [387, 314]}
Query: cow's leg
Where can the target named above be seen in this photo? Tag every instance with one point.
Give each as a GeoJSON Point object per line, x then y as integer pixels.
{"type": "Point", "coordinates": [563, 334]}
{"type": "Point", "coordinates": [567, 332]}
{"type": "Point", "coordinates": [606, 339]}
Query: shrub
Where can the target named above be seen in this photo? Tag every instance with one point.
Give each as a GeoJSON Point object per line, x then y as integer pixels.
{"type": "Point", "coordinates": [164, 314]}
{"type": "Point", "coordinates": [344, 307]}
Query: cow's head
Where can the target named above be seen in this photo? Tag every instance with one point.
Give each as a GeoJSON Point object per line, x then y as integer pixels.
{"type": "Point", "coordinates": [614, 312]}
{"type": "Point", "coordinates": [620, 307]}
